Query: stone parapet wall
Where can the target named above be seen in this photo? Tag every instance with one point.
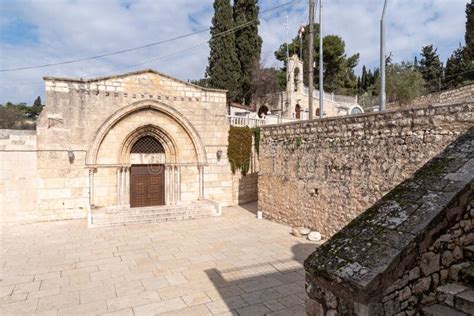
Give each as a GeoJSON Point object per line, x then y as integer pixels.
{"type": "Point", "coordinates": [323, 173]}
{"type": "Point", "coordinates": [391, 259]}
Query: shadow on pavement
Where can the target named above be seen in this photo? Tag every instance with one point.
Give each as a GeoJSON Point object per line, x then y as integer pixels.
{"type": "Point", "coordinates": [264, 287]}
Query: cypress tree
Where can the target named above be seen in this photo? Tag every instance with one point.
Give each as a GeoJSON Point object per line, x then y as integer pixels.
{"type": "Point", "coordinates": [248, 44]}
{"type": "Point", "coordinates": [455, 67]}
{"type": "Point", "coordinates": [431, 68]}
{"type": "Point", "coordinates": [469, 36]}
{"type": "Point", "coordinates": [223, 70]}
{"type": "Point", "coordinates": [37, 101]}
{"type": "Point", "coordinates": [363, 81]}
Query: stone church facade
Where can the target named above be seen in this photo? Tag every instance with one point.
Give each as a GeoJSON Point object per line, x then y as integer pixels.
{"type": "Point", "coordinates": [134, 140]}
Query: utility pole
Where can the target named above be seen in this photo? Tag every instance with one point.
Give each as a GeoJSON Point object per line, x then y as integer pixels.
{"type": "Point", "coordinates": [382, 59]}
{"type": "Point", "coordinates": [311, 58]}
{"type": "Point", "coordinates": [321, 64]}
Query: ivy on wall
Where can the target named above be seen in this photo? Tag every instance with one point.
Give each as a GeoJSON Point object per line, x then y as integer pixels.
{"type": "Point", "coordinates": [240, 148]}
{"type": "Point", "coordinates": [256, 135]}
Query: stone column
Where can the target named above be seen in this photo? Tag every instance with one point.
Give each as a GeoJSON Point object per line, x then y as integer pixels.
{"type": "Point", "coordinates": [127, 187]}
{"type": "Point", "coordinates": [172, 186]}
{"type": "Point", "coordinates": [119, 186]}
{"type": "Point", "coordinates": [167, 190]}
{"type": "Point", "coordinates": [91, 187]}
{"type": "Point", "coordinates": [178, 184]}
{"type": "Point", "coordinates": [201, 182]}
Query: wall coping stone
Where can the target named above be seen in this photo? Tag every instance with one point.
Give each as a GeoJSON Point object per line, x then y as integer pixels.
{"type": "Point", "coordinates": [362, 259]}
{"type": "Point", "coordinates": [413, 112]}
{"type": "Point", "coordinates": [139, 72]}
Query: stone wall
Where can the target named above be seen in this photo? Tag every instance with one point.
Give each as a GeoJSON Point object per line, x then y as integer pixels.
{"type": "Point", "coordinates": [245, 188]}
{"type": "Point", "coordinates": [391, 259]}
{"type": "Point", "coordinates": [18, 181]}
{"type": "Point", "coordinates": [323, 173]}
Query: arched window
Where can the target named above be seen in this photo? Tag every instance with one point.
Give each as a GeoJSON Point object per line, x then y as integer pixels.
{"type": "Point", "coordinates": [147, 145]}
{"type": "Point", "coordinates": [356, 110]}
{"type": "Point", "coordinates": [297, 111]}
{"type": "Point", "coordinates": [296, 78]}
{"type": "Point", "coordinates": [318, 112]}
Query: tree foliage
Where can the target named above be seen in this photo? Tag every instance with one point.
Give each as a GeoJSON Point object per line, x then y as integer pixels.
{"type": "Point", "coordinates": [403, 83]}
{"type": "Point", "coordinates": [223, 70]}
{"type": "Point", "coordinates": [455, 69]}
{"type": "Point", "coordinates": [248, 44]}
{"type": "Point", "coordinates": [339, 76]}
{"type": "Point", "coordinates": [20, 116]}
{"type": "Point", "coordinates": [431, 68]}
{"type": "Point", "coordinates": [469, 35]}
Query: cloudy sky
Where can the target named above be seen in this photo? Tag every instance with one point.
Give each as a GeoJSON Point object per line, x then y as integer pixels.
{"type": "Point", "coordinates": [36, 32]}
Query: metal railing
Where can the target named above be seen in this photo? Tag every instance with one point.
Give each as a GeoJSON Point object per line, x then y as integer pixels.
{"type": "Point", "coordinates": [245, 121]}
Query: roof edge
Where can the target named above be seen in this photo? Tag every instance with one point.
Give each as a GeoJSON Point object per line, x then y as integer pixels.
{"type": "Point", "coordinates": [81, 80]}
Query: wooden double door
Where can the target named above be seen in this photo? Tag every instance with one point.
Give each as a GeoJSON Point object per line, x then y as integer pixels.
{"type": "Point", "coordinates": [147, 185]}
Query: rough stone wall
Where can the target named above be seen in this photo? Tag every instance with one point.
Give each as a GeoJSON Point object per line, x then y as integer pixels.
{"type": "Point", "coordinates": [18, 179]}
{"type": "Point", "coordinates": [323, 173]}
{"type": "Point", "coordinates": [437, 265]}
{"type": "Point", "coordinates": [390, 259]}
{"type": "Point", "coordinates": [77, 109]}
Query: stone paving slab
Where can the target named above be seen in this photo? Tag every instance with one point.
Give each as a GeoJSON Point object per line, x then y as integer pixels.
{"type": "Point", "coordinates": [234, 264]}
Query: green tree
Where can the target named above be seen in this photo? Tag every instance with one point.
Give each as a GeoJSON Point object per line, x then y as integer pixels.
{"type": "Point", "coordinates": [37, 101]}
{"type": "Point", "coordinates": [12, 117]}
{"type": "Point", "coordinates": [339, 76]}
{"type": "Point", "coordinates": [363, 80]}
{"type": "Point", "coordinates": [455, 69]}
{"type": "Point", "coordinates": [248, 44]}
{"type": "Point", "coordinates": [431, 68]}
{"type": "Point", "coordinates": [469, 35]}
{"type": "Point", "coordinates": [403, 83]}
{"type": "Point", "coordinates": [223, 70]}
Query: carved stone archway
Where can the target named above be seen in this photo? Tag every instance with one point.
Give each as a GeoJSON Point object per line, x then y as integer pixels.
{"type": "Point", "coordinates": [162, 108]}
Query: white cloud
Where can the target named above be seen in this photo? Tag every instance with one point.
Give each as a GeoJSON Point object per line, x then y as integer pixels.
{"type": "Point", "coordinates": [76, 29]}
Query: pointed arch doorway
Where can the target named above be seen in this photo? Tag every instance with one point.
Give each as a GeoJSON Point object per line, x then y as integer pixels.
{"type": "Point", "coordinates": [147, 173]}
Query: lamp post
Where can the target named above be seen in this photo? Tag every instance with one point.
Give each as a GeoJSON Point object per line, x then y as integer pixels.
{"type": "Point", "coordinates": [321, 64]}
{"type": "Point", "coordinates": [311, 58]}
{"type": "Point", "coordinates": [382, 59]}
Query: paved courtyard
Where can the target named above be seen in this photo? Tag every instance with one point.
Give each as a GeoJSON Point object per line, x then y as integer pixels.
{"type": "Point", "coordinates": [230, 265]}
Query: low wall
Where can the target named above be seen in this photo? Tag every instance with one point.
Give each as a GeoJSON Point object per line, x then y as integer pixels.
{"type": "Point", "coordinates": [391, 259]}
{"type": "Point", "coordinates": [323, 173]}
{"type": "Point", "coordinates": [18, 179]}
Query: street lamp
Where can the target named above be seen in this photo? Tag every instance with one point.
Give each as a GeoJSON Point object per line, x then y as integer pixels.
{"type": "Point", "coordinates": [382, 59]}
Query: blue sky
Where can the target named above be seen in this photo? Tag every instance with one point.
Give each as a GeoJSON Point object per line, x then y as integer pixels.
{"type": "Point", "coordinates": [35, 32]}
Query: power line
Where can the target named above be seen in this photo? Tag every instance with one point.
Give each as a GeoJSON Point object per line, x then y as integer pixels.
{"type": "Point", "coordinates": [246, 24]}
{"type": "Point", "coordinates": [134, 48]}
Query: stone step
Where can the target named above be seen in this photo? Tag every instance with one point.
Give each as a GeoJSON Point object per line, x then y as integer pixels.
{"type": "Point", "coordinates": [465, 302]}
{"type": "Point", "coordinates": [149, 221]}
{"type": "Point", "coordinates": [149, 216]}
{"type": "Point", "coordinates": [114, 217]}
{"type": "Point", "coordinates": [154, 212]}
{"type": "Point", "coordinates": [441, 310]}
{"type": "Point", "coordinates": [154, 209]}
{"type": "Point", "coordinates": [458, 296]}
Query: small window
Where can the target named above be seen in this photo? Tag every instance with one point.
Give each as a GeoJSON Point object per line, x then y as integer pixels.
{"type": "Point", "coordinates": [356, 110]}
{"type": "Point", "coordinates": [147, 145]}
